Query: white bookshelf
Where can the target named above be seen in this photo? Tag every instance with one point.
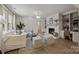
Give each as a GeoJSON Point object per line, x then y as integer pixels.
{"type": "Point", "coordinates": [71, 21]}
{"type": "Point", "coordinates": [73, 24]}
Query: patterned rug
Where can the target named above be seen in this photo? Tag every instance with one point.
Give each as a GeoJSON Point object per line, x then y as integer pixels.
{"type": "Point", "coordinates": [58, 47]}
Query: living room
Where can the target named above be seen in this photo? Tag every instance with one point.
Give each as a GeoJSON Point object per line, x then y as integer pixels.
{"type": "Point", "coordinates": [39, 28]}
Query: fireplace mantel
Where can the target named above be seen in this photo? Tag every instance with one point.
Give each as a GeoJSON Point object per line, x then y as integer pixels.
{"type": "Point", "coordinates": [56, 25]}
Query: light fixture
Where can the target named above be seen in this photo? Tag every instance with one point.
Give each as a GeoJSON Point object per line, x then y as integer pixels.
{"type": "Point", "coordinates": [38, 17]}
{"type": "Point", "coordinates": [37, 13]}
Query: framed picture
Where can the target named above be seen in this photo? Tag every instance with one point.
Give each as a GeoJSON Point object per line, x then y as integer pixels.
{"type": "Point", "coordinates": [51, 20]}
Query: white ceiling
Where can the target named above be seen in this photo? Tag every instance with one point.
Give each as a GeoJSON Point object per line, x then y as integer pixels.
{"type": "Point", "coordinates": [42, 9]}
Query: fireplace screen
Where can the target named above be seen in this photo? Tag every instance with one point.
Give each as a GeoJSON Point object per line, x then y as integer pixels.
{"type": "Point", "coordinates": [51, 30]}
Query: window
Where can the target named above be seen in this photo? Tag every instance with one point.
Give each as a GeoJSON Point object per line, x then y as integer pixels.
{"type": "Point", "coordinates": [8, 19]}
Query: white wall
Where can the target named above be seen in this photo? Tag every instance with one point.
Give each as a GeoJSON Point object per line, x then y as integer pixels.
{"type": "Point", "coordinates": [17, 19]}
{"type": "Point", "coordinates": [31, 23]}
{"type": "Point", "coordinates": [58, 26]}
{"type": "Point", "coordinates": [1, 32]}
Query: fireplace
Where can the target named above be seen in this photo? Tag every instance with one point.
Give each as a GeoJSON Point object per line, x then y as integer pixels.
{"type": "Point", "coordinates": [51, 30]}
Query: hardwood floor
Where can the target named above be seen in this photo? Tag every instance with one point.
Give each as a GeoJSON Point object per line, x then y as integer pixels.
{"type": "Point", "coordinates": [60, 46]}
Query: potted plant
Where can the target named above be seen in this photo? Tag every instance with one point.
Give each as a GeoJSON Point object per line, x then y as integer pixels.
{"type": "Point", "coordinates": [20, 27]}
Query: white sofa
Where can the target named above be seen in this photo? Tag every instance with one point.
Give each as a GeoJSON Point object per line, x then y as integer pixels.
{"type": "Point", "coordinates": [37, 41]}
{"type": "Point", "coordinates": [12, 42]}
{"type": "Point", "coordinates": [41, 40]}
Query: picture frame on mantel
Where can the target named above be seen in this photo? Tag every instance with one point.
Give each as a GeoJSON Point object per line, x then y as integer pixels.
{"type": "Point", "coordinates": [50, 21]}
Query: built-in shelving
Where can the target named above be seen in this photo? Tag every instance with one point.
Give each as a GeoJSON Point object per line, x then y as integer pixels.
{"type": "Point", "coordinates": [71, 21]}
